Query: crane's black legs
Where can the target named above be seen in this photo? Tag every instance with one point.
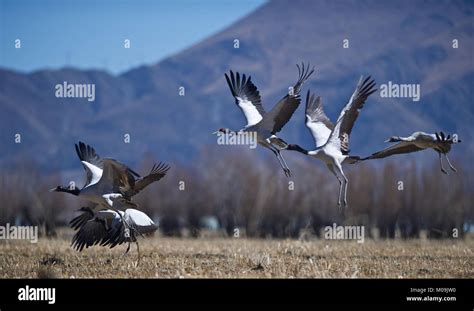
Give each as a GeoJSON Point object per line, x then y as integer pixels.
{"type": "Point", "coordinates": [133, 234]}
{"type": "Point", "coordinates": [286, 165]}
{"type": "Point", "coordinates": [268, 143]}
{"type": "Point", "coordinates": [126, 232]}
{"type": "Point", "coordinates": [331, 168]}
{"type": "Point", "coordinates": [441, 164]}
{"type": "Point", "coordinates": [449, 162]}
{"type": "Point", "coordinates": [138, 252]}
{"type": "Point", "coordinates": [345, 189]}
{"type": "Point", "coordinates": [281, 160]}
{"type": "Point", "coordinates": [126, 251]}
{"type": "Point", "coordinates": [342, 184]}
{"type": "Point", "coordinates": [344, 179]}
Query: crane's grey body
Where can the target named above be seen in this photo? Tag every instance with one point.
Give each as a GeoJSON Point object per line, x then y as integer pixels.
{"type": "Point", "coordinates": [419, 141]}
{"type": "Point", "coordinates": [266, 124]}
{"type": "Point", "coordinates": [332, 141]}
{"type": "Point", "coordinates": [424, 141]}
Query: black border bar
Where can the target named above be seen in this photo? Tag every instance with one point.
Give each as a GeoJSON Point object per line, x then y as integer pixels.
{"type": "Point", "coordinates": [206, 291]}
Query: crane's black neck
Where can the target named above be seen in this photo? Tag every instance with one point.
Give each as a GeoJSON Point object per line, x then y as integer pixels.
{"type": "Point", "coordinates": [73, 191]}
{"type": "Point", "coordinates": [227, 131]}
{"type": "Point", "coordinates": [297, 148]}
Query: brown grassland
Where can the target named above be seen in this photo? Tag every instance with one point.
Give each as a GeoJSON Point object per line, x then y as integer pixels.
{"type": "Point", "coordinates": [241, 258]}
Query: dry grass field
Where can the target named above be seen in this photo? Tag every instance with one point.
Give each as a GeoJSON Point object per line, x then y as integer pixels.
{"type": "Point", "coordinates": [240, 258]}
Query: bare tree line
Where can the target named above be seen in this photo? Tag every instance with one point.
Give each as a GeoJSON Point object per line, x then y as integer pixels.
{"type": "Point", "coordinates": [245, 192]}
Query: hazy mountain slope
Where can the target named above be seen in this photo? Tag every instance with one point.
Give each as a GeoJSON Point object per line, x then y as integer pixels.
{"type": "Point", "coordinates": [402, 41]}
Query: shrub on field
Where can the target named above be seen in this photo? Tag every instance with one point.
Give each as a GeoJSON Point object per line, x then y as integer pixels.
{"type": "Point", "coordinates": [248, 195]}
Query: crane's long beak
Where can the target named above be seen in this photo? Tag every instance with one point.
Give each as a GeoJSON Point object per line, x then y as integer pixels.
{"type": "Point", "coordinates": [215, 133]}
{"type": "Point", "coordinates": [53, 190]}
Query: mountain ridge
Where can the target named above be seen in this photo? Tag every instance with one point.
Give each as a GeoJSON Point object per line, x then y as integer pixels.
{"type": "Point", "coordinates": [406, 42]}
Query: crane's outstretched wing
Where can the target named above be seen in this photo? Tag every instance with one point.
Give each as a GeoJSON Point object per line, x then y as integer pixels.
{"type": "Point", "coordinates": [92, 230]}
{"type": "Point", "coordinates": [139, 221]}
{"type": "Point", "coordinates": [88, 154]}
{"type": "Point", "coordinates": [79, 221]}
{"type": "Point", "coordinates": [276, 118]}
{"type": "Point", "coordinates": [247, 97]}
{"type": "Point", "coordinates": [96, 166]}
{"type": "Point", "coordinates": [399, 148]}
{"type": "Point", "coordinates": [317, 122]}
{"type": "Point", "coordinates": [156, 173]}
{"type": "Point", "coordinates": [340, 135]}
{"type": "Point", "coordinates": [105, 228]}
{"type": "Point", "coordinates": [116, 177]}
{"type": "Point", "coordinates": [92, 162]}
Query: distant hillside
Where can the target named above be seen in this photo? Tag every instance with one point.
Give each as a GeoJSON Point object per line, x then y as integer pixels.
{"type": "Point", "coordinates": [399, 41]}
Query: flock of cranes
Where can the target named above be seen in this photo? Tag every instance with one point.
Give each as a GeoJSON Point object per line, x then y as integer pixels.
{"type": "Point", "coordinates": [331, 140]}
{"type": "Point", "coordinates": [110, 185]}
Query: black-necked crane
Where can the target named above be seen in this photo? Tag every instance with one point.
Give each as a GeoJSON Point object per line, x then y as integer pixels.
{"type": "Point", "coordinates": [110, 228]}
{"type": "Point", "coordinates": [419, 141]}
{"type": "Point", "coordinates": [332, 141]}
{"type": "Point", "coordinates": [109, 181]}
{"type": "Point", "coordinates": [110, 185]}
{"type": "Point", "coordinates": [265, 124]}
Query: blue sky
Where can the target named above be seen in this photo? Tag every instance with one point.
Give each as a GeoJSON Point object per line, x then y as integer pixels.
{"type": "Point", "coordinates": [90, 34]}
